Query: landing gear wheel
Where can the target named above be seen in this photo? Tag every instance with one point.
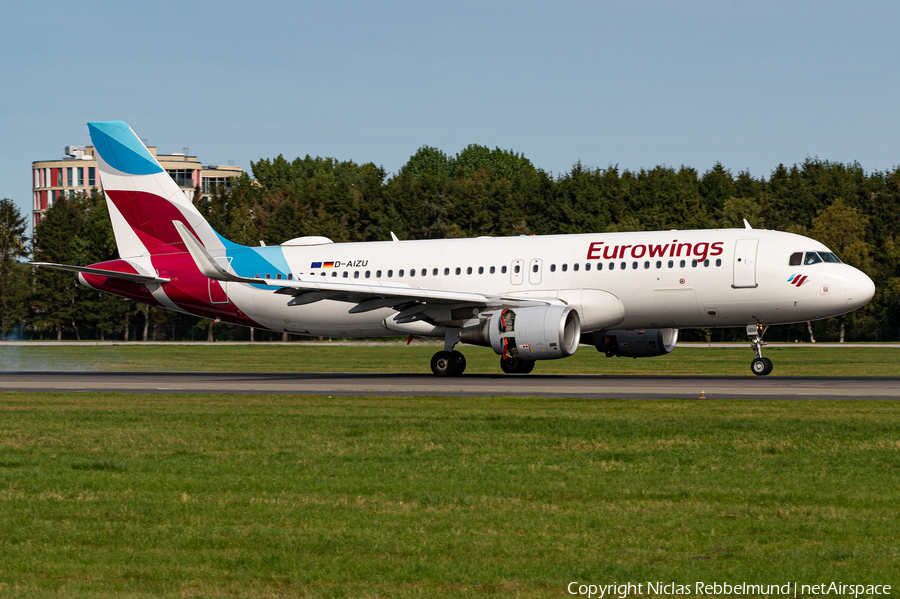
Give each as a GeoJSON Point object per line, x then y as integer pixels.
{"type": "Point", "coordinates": [459, 363]}
{"type": "Point", "coordinates": [515, 366]}
{"type": "Point", "coordinates": [761, 366]}
{"type": "Point", "coordinates": [445, 363]}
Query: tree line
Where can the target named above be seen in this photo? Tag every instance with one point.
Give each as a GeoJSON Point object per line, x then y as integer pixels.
{"type": "Point", "coordinates": [478, 191]}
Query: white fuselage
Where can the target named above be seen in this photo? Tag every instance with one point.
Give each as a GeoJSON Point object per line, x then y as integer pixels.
{"type": "Point", "coordinates": [703, 278]}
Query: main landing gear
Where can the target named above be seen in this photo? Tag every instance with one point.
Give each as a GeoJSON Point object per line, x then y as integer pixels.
{"type": "Point", "coordinates": [516, 366]}
{"type": "Point", "coordinates": [760, 366]}
{"type": "Point", "coordinates": [449, 362]}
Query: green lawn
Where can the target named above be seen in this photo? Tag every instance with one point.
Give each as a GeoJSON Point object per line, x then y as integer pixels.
{"type": "Point", "coordinates": [138, 495]}
{"type": "Point", "coordinates": [801, 360]}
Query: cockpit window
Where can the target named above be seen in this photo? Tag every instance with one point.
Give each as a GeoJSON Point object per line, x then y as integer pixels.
{"type": "Point", "coordinates": [829, 257]}
{"type": "Point", "coordinates": [796, 259]}
{"type": "Point", "coordinates": [812, 258]}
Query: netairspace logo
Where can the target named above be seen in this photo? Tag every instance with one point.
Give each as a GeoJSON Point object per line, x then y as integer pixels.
{"type": "Point", "coordinates": [791, 589]}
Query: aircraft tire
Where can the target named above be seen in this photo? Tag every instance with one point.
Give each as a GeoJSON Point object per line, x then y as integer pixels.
{"type": "Point", "coordinates": [442, 363]}
{"type": "Point", "coordinates": [459, 363]}
{"type": "Point", "coordinates": [445, 363]}
{"type": "Point", "coordinates": [761, 366]}
{"type": "Point", "coordinates": [515, 366]}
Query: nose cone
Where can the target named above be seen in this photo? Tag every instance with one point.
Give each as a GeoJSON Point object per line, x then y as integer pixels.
{"type": "Point", "coordinates": [860, 289]}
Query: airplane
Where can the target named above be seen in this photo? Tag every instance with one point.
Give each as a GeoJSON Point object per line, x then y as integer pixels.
{"type": "Point", "coordinates": [529, 298]}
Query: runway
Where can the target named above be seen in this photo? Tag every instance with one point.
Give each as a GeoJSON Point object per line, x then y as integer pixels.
{"type": "Point", "coordinates": [550, 386]}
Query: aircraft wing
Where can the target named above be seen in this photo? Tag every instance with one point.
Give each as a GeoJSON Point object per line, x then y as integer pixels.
{"type": "Point", "coordinates": [413, 303]}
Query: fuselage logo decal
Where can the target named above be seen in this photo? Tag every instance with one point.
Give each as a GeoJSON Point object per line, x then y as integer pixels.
{"type": "Point", "coordinates": [598, 250]}
{"type": "Point", "coordinates": [797, 280]}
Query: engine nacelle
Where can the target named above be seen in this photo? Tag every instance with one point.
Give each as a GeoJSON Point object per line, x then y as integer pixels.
{"type": "Point", "coordinates": [535, 333]}
{"type": "Point", "coordinates": [636, 343]}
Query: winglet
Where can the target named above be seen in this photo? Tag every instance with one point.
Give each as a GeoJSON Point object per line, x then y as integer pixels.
{"type": "Point", "coordinates": [746, 224]}
{"type": "Point", "coordinates": [205, 263]}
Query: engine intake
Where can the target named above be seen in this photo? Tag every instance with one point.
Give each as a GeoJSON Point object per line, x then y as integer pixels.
{"type": "Point", "coordinates": [636, 343]}
{"type": "Point", "coordinates": [535, 333]}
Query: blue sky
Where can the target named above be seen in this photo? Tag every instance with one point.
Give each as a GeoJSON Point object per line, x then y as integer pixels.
{"type": "Point", "coordinates": [635, 83]}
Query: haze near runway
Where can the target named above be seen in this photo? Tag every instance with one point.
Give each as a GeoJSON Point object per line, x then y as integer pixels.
{"type": "Point", "coordinates": [576, 386]}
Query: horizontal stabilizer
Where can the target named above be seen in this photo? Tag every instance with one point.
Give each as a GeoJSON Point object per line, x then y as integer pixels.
{"type": "Point", "coordinates": [127, 276]}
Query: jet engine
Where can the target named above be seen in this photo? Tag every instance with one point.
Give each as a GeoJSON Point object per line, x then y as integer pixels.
{"type": "Point", "coordinates": [534, 333]}
{"type": "Point", "coordinates": [636, 343]}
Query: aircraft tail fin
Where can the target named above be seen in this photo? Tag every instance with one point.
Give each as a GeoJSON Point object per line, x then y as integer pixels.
{"type": "Point", "coordinates": [143, 199]}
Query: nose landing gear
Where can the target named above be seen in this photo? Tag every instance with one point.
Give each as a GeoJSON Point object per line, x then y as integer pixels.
{"type": "Point", "coordinates": [759, 366]}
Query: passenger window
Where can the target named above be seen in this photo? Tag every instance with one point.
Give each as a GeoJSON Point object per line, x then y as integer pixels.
{"type": "Point", "coordinates": [659, 264]}
{"type": "Point", "coordinates": [355, 274]}
{"type": "Point", "coordinates": [599, 266]}
{"type": "Point", "coordinates": [706, 262]}
{"type": "Point", "coordinates": [424, 272]}
{"type": "Point", "coordinates": [671, 263]}
{"type": "Point", "coordinates": [278, 277]}
{"type": "Point", "coordinates": [694, 263]}
{"type": "Point", "coordinates": [634, 265]}
{"type": "Point", "coordinates": [682, 263]}
{"type": "Point", "coordinates": [390, 273]}
{"type": "Point", "coordinates": [434, 272]}
{"type": "Point", "coordinates": [446, 271]}
{"type": "Point", "coordinates": [469, 270]}
{"type": "Point", "coordinates": [647, 264]}
{"type": "Point", "coordinates": [811, 258]}
{"type": "Point", "coordinates": [458, 270]}
{"type": "Point", "coordinates": [268, 276]}
{"type": "Point", "coordinates": [612, 265]}
{"type": "Point", "coordinates": [377, 274]}
{"type": "Point", "coordinates": [334, 273]}
{"type": "Point", "coordinates": [796, 259]}
{"type": "Point", "coordinates": [518, 268]}
{"type": "Point", "coordinates": [575, 267]}
{"type": "Point", "coordinates": [481, 270]}
{"type": "Point", "coordinates": [400, 273]}
{"type": "Point", "coordinates": [412, 272]}
{"type": "Point", "coordinates": [290, 277]}
{"type": "Point", "coordinates": [552, 268]}
{"type": "Point", "coordinates": [718, 262]}
{"type": "Point", "coordinates": [255, 276]}
{"type": "Point", "coordinates": [534, 268]}
{"type": "Point", "coordinates": [587, 265]}
{"type": "Point", "coordinates": [346, 274]}
{"type": "Point", "coordinates": [565, 267]}
{"type": "Point", "coordinates": [503, 269]}
{"type": "Point", "coordinates": [493, 270]}
{"type": "Point", "coordinates": [623, 266]}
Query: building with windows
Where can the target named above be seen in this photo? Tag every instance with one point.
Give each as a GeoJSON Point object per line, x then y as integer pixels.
{"type": "Point", "coordinates": [77, 172]}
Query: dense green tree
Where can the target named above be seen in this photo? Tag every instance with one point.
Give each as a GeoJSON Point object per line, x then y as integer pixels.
{"type": "Point", "coordinates": [13, 276]}
{"type": "Point", "coordinates": [57, 294]}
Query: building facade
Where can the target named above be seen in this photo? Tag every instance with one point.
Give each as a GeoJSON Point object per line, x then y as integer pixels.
{"type": "Point", "coordinates": [77, 172]}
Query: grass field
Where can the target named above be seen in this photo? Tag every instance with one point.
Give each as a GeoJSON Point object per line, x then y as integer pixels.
{"type": "Point", "coordinates": [388, 358]}
{"type": "Point", "coordinates": [137, 495]}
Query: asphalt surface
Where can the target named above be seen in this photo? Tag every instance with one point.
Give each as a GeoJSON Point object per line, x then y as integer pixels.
{"type": "Point", "coordinates": [577, 386]}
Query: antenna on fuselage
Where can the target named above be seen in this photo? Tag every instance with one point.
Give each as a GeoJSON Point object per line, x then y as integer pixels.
{"type": "Point", "coordinates": [746, 224]}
